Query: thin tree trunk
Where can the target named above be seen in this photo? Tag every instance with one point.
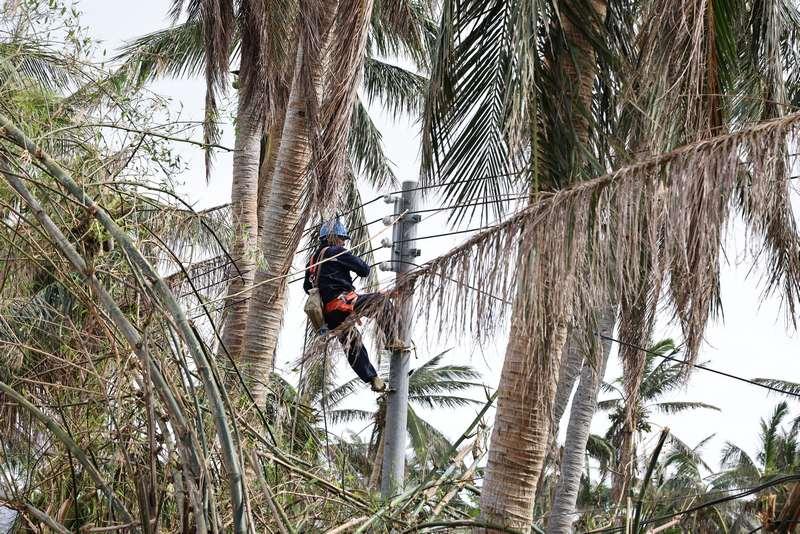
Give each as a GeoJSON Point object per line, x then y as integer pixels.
{"type": "Point", "coordinates": [244, 214]}
{"type": "Point", "coordinates": [572, 362]}
{"type": "Point", "coordinates": [584, 406]}
{"type": "Point", "coordinates": [377, 463]}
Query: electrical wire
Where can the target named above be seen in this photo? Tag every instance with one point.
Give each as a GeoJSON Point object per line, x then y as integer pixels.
{"type": "Point", "coordinates": [746, 493]}
{"type": "Point", "coordinates": [481, 201]}
{"type": "Point", "coordinates": [448, 184]}
{"type": "Point", "coordinates": [703, 367]}
{"type": "Point", "coordinates": [425, 187]}
{"type": "Point", "coordinates": [608, 338]}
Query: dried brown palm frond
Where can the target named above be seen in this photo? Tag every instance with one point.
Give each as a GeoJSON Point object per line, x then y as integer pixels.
{"type": "Point", "coordinates": [595, 239]}
{"type": "Point", "coordinates": [679, 81]}
{"type": "Point", "coordinates": [218, 27]}
{"type": "Point", "coordinates": [344, 73]}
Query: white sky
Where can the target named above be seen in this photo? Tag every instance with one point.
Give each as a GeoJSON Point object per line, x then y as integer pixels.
{"type": "Point", "coordinates": [752, 342]}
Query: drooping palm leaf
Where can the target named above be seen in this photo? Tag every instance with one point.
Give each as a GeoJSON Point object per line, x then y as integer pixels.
{"type": "Point", "coordinates": [682, 406]}
{"type": "Point", "coordinates": [397, 89]}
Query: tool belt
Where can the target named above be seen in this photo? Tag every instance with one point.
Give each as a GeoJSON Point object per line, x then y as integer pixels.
{"type": "Point", "coordinates": [344, 303]}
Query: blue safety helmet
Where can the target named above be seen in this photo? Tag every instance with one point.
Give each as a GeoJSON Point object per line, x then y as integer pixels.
{"type": "Point", "coordinates": [333, 227]}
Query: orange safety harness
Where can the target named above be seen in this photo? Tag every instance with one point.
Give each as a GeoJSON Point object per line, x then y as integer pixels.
{"type": "Point", "coordinates": [345, 302]}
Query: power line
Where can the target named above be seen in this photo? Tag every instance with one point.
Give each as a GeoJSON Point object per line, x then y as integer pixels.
{"type": "Point", "coordinates": [481, 201]}
{"type": "Point", "coordinates": [425, 187]}
{"type": "Point", "coordinates": [746, 493]}
{"type": "Point", "coordinates": [476, 179]}
{"type": "Point", "coordinates": [445, 234]}
{"type": "Point", "coordinates": [700, 366]}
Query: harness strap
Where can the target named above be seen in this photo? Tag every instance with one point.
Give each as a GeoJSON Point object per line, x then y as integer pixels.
{"type": "Point", "coordinates": [315, 268]}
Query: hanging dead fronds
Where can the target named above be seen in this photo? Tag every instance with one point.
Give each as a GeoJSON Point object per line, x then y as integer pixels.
{"type": "Point", "coordinates": [665, 216]}
{"type": "Point", "coordinates": [345, 71]}
{"type": "Point", "coordinates": [218, 27]}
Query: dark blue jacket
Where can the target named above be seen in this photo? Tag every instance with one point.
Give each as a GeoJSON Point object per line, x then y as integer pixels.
{"type": "Point", "coordinates": [334, 275]}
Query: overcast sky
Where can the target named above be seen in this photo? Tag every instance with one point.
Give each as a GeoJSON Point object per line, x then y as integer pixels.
{"type": "Point", "coordinates": [751, 342]}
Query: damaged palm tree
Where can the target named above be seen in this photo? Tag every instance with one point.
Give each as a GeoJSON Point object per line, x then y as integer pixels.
{"type": "Point", "coordinates": [546, 112]}
{"type": "Point", "coordinates": [745, 169]}
{"type": "Point", "coordinates": [263, 41]}
{"type": "Point", "coordinates": [650, 96]}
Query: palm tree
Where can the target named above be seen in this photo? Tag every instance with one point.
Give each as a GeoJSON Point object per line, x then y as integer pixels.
{"type": "Point", "coordinates": [582, 412]}
{"type": "Point", "coordinates": [778, 454]}
{"type": "Point", "coordinates": [483, 122]}
{"type": "Point", "coordinates": [661, 377]}
{"type": "Point", "coordinates": [522, 425]}
{"type": "Point", "coordinates": [303, 416]}
{"type": "Point", "coordinates": [287, 191]}
{"type": "Point", "coordinates": [52, 326]}
{"type": "Point", "coordinates": [431, 386]}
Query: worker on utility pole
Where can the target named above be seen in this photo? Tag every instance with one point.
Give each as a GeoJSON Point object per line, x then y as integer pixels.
{"type": "Point", "coordinates": [329, 271]}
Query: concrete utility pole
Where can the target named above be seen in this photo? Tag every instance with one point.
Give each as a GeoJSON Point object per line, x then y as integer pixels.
{"type": "Point", "coordinates": [403, 255]}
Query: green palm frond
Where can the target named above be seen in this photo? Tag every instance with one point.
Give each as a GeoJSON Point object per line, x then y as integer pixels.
{"type": "Point", "coordinates": [600, 449]}
{"type": "Point", "coordinates": [397, 89]}
{"type": "Point", "coordinates": [431, 382]}
{"type": "Point", "coordinates": [28, 62]}
{"type": "Point", "coordinates": [737, 461]}
{"type": "Point", "coordinates": [428, 443]}
{"type": "Point", "coordinates": [344, 416]}
{"type": "Point", "coordinates": [686, 460]}
{"type": "Point", "coordinates": [605, 387]}
{"type": "Point", "coordinates": [365, 147]}
{"type": "Point", "coordinates": [336, 395]}
{"type": "Point", "coordinates": [770, 438]}
{"type": "Point", "coordinates": [792, 389]}
{"type": "Point", "coordinates": [403, 28]}
{"type": "Point", "coordinates": [188, 233]}
{"type": "Point", "coordinates": [39, 319]}
{"type": "Point", "coordinates": [664, 378]}
{"type": "Point", "coordinates": [464, 144]}
{"type": "Point", "coordinates": [177, 52]}
{"type": "Point", "coordinates": [442, 401]}
{"type": "Point", "coordinates": [353, 455]}
{"type": "Point", "coordinates": [608, 405]}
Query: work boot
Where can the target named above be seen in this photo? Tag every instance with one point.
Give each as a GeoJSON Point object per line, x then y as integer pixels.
{"type": "Point", "coordinates": [378, 385]}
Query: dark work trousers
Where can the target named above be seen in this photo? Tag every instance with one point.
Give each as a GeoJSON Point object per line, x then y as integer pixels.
{"type": "Point", "coordinates": [375, 305]}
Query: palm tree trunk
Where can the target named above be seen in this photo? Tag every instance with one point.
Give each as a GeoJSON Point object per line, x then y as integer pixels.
{"type": "Point", "coordinates": [244, 215]}
{"type": "Point", "coordinates": [521, 431]}
{"type": "Point", "coordinates": [281, 219]}
{"type": "Point", "coordinates": [583, 408]}
{"type": "Point", "coordinates": [267, 170]}
{"type": "Point", "coordinates": [572, 362]}
{"type": "Point", "coordinates": [284, 216]}
{"type": "Point", "coordinates": [522, 428]}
